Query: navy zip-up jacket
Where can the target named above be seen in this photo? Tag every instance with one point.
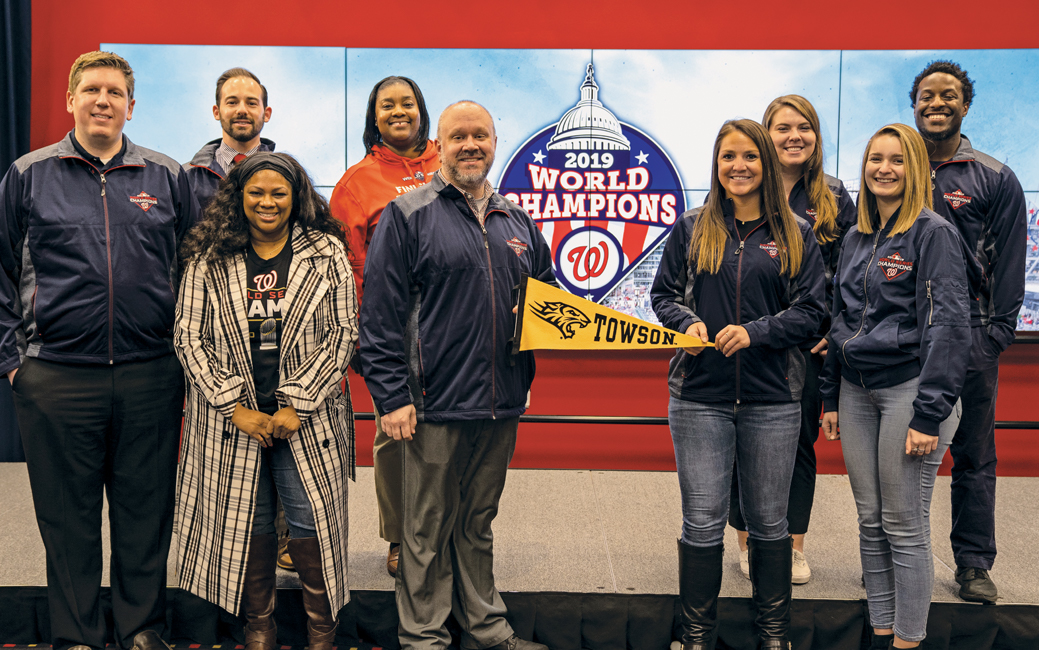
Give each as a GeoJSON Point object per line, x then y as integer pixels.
{"type": "Point", "coordinates": [438, 297]}
{"type": "Point", "coordinates": [984, 200]}
{"type": "Point", "coordinates": [778, 312]}
{"type": "Point", "coordinates": [900, 310]}
{"type": "Point", "coordinates": [847, 214]}
{"type": "Point", "coordinates": [205, 173]}
{"type": "Point", "coordinates": [89, 255]}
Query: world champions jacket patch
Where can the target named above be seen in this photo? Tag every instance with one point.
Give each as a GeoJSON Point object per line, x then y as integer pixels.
{"type": "Point", "coordinates": [603, 194]}
{"type": "Point", "coordinates": [894, 265]}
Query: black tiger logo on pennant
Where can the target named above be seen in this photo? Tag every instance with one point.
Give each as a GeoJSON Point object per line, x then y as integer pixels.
{"type": "Point", "coordinates": [565, 318]}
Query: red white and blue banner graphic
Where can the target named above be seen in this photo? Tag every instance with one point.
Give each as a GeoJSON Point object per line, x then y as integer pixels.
{"type": "Point", "coordinates": [603, 193]}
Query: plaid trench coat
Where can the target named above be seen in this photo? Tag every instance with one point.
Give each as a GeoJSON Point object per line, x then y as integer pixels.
{"type": "Point", "coordinates": [218, 463]}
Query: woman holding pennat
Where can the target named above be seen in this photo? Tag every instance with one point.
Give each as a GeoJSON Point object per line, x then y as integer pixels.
{"type": "Point", "coordinates": [743, 270]}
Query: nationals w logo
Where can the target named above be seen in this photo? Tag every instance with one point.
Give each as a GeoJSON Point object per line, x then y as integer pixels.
{"type": "Point", "coordinates": [563, 316]}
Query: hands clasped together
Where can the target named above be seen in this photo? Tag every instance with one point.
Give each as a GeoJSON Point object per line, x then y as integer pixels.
{"type": "Point", "coordinates": [265, 428]}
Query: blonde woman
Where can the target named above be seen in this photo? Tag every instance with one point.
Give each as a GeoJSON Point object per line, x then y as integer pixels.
{"type": "Point", "coordinates": [822, 201]}
{"type": "Point", "coordinates": [899, 346]}
{"type": "Point", "coordinates": [744, 271]}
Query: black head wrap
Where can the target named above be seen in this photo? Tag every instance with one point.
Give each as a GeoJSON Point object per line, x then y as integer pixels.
{"type": "Point", "coordinates": [263, 160]}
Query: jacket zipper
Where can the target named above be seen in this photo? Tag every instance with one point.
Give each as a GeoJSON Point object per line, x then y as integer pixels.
{"type": "Point", "coordinates": [111, 278]}
{"type": "Point", "coordinates": [421, 369]}
{"type": "Point", "coordinates": [930, 301]}
{"type": "Point", "coordinates": [494, 316]}
{"type": "Point", "coordinates": [739, 277]}
{"type": "Point", "coordinates": [865, 305]}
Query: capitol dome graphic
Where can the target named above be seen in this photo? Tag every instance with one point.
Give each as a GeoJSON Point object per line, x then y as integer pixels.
{"type": "Point", "coordinates": [589, 126]}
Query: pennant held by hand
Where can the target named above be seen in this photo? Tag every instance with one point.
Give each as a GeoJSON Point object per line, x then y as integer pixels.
{"type": "Point", "coordinates": [552, 319]}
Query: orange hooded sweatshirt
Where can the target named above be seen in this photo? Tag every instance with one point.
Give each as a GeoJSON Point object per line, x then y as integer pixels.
{"type": "Point", "coordinates": [366, 188]}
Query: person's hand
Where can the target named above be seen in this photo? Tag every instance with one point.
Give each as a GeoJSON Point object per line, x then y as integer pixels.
{"type": "Point", "coordinates": [820, 347]}
{"type": "Point", "coordinates": [699, 330]}
{"type": "Point", "coordinates": [920, 444]}
{"type": "Point", "coordinates": [830, 426]}
{"type": "Point", "coordinates": [284, 423]}
{"type": "Point", "coordinates": [253, 424]}
{"type": "Point", "coordinates": [400, 424]}
{"type": "Point", "coordinates": [11, 374]}
{"type": "Point", "coordinates": [731, 339]}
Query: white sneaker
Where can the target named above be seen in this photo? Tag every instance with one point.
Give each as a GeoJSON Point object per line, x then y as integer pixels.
{"type": "Point", "coordinates": [800, 573]}
{"type": "Point", "coordinates": [745, 563]}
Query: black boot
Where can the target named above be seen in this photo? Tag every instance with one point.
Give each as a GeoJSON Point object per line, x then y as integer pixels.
{"type": "Point", "coordinates": [882, 641]}
{"type": "Point", "coordinates": [770, 577]}
{"type": "Point", "coordinates": [699, 581]}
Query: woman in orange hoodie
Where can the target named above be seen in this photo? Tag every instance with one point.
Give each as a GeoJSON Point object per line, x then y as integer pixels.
{"type": "Point", "coordinates": [399, 157]}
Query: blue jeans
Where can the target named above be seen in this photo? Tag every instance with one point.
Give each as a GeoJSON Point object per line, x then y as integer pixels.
{"type": "Point", "coordinates": [278, 471]}
{"type": "Point", "coordinates": [893, 496]}
{"type": "Point", "coordinates": [707, 437]}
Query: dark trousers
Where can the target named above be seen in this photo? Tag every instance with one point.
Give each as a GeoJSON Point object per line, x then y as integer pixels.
{"type": "Point", "coordinates": [802, 483]}
{"type": "Point", "coordinates": [974, 459]}
{"type": "Point", "coordinates": [454, 474]}
{"type": "Point", "coordinates": [89, 430]}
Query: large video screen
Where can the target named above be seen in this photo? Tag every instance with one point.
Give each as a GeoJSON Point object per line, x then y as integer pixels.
{"type": "Point", "coordinates": [604, 196]}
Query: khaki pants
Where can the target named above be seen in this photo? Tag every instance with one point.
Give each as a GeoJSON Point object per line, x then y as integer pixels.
{"type": "Point", "coordinates": [454, 473]}
{"type": "Point", "coordinates": [386, 453]}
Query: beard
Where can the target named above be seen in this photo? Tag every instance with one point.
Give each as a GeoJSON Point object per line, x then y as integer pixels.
{"type": "Point", "coordinates": [240, 134]}
{"type": "Point", "coordinates": [937, 135]}
{"type": "Point", "coordinates": [471, 179]}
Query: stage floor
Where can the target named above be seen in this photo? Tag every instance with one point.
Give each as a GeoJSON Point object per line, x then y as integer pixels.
{"type": "Point", "coordinates": [613, 532]}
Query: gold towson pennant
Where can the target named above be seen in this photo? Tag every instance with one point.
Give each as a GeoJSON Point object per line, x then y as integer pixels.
{"type": "Point", "coordinates": [553, 319]}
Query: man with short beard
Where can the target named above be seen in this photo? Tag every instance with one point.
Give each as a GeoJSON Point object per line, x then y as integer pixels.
{"type": "Point", "coordinates": [242, 110]}
{"type": "Point", "coordinates": [435, 324]}
{"type": "Point", "coordinates": [983, 199]}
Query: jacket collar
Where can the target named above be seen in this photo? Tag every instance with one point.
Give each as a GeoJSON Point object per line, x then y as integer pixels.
{"type": "Point", "coordinates": [206, 156]}
{"type": "Point", "coordinates": [496, 203]}
{"type": "Point", "coordinates": [303, 247]}
{"type": "Point", "coordinates": [965, 151]}
{"type": "Point", "coordinates": [131, 154]}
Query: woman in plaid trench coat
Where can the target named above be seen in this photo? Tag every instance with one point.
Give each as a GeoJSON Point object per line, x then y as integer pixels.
{"type": "Point", "coordinates": [225, 512]}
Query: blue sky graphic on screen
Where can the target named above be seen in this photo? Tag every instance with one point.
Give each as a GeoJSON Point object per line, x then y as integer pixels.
{"type": "Point", "coordinates": [668, 106]}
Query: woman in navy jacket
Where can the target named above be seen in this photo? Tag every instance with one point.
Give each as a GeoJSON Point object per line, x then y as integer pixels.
{"type": "Point", "coordinates": [899, 345]}
{"type": "Point", "coordinates": [745, 271]}
{"type": "Point", "coordinates": [822, 201]}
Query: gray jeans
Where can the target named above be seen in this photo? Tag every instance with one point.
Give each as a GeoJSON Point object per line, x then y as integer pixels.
{"type": "Point", "coordinates": [454, 473]}
{"type": "Point", "coordinates": [893, 497]}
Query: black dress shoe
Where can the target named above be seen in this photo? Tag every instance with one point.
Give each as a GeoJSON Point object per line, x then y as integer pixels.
{"type": "Point", "coordinates": [149, 640]}
{"type": "Point", "coordinates": [516, 643]}
{"type": "Point", "coordinates": [975, 585]}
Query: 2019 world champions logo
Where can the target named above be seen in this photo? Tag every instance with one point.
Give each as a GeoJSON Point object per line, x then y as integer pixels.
{"type": "Point", "coordinates": [601, 206]}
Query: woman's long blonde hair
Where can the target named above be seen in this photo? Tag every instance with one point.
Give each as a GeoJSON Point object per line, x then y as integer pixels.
{"type": "Point", "coordinates": [917, 194]}
{"type": "Point", "coordinates": [707, 242]}
{"type": "Point", "coordinates": [820, 197]}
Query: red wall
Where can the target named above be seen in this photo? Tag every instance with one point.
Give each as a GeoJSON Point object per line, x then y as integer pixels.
{"type": "Point", "coordinates": [626, 383]}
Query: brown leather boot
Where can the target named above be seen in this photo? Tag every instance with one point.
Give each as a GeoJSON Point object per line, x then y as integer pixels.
{"type": "Point", "coordinates": [321, 622]}
{"type": "Point", "coordinates": [258, 593]}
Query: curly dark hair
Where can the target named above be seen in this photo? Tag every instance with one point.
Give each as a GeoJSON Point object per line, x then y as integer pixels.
{"type": "Point", "coordinates": [372, 136]}
{"type": "Point", "coordinates": [948, 67]}
{"type": "Point", "coordinates": [223, 231]}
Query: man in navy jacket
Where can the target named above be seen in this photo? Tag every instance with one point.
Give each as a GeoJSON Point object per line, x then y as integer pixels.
{"type": "Point", "coordinates": [435, 324]}
{"type": "Point", "coordinates": [242, 110]}
{"type": "Point", "coordinates": [89, 229]}
{"type": "Point", "coordinates": [983, 199]}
